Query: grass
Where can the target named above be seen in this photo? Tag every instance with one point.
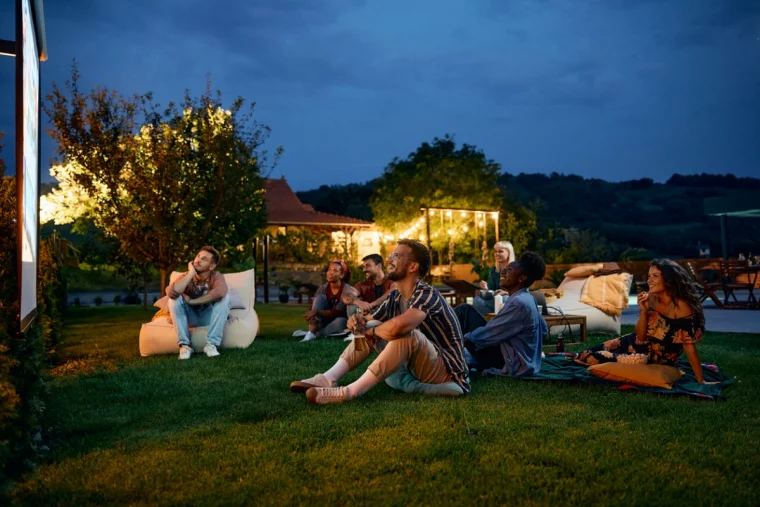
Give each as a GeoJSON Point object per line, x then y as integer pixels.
{"type": "Point", "coordinates": [226, 431]}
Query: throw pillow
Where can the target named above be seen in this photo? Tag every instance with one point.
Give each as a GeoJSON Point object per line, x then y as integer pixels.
{"type": "Point", "coordinates": [647, 375]}
{"type": "Point", "coordinates": [583, 271]}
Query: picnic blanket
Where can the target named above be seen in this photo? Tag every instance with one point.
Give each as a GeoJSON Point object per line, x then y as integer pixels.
{"type": "Point", "coordinates": [560, 366]}
{"type": "Point", "coordinates": [608, 293]}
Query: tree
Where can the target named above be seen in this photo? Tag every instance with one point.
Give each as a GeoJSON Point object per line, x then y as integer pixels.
{"type": "Point", "coordinates": [437, 175]}
{"type": "Point", "coordinates": [163, 182]}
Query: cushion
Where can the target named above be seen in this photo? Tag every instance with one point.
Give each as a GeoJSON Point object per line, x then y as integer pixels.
{"type": "Point", "coordinates": [648, 375]}
{"type": "Point", "coordinates": [584, 271]}
{"type": "Point", "coordinates": [236, 302]}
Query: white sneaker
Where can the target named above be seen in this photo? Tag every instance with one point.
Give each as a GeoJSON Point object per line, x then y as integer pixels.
{"type": "Point", "coordinates": [185, 352]}
{"type": "Point", "coordinates": [309, 337]}
{"type": "Point", "coordinates": [349, 337]}
{"type": "Point", "coordinates": [327, 395]}
{"type": "Point", "coordinates": [210, 350]}
{"type": "Point", "coordinates": [318, 380]}
{"type": "Point", "coordinates": [299, 332]}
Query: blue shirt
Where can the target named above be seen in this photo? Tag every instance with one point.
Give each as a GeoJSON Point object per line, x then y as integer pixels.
{"type": "Point", "coordinates": [519, 330]}
{"type": "Point", "coordinates": [440, 326]}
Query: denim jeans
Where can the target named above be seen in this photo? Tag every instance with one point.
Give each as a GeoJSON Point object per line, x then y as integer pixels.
{"type": "Point", "coordinates": [185, 316]}
{"type": "Point", "coordinates": [326, 326]}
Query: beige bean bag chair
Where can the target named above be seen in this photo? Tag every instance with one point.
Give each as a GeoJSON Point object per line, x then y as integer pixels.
{"type": "Point", "coordinates": [158, 336]}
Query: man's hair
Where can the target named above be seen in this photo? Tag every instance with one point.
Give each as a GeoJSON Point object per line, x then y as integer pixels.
{"type": "Point", "coordinates": [420, 255]}
{"type": "Point", "coordinates": [376, 258]}
{"type": "Point", "coordinates": [215, 257]}
{"type": "Point", "coordinates": [532, 266]}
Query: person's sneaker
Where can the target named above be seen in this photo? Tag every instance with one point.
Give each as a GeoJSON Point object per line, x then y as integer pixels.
{"type": "Point", "coordinates": [309, 337]}
{"type": "Point", "coordinates": [210, 350]}
{"type": "Point", "coordinates": [318, 380]}
{"type": "Point", "coordinates": [185, 352]}
{"type": "Point", "coordinates": [327, 395]}
{"type": "Point", "coordinates": [299, 332]}
{"type": "Point", "coordinates": [349, 337]}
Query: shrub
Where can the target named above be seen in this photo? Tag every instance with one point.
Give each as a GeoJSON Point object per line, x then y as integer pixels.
{"type": "Point", "coordinates": [117, 299]}
{"type": "Point", "coordinates": [77, 302]}
{"type": "Point", "coordinates": [98, 301]}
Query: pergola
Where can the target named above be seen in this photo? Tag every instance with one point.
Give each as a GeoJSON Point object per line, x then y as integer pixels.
{"type": "Point", "coordinates": [745, 205]}
{"type": "Point", "coordinates": [480, 220]}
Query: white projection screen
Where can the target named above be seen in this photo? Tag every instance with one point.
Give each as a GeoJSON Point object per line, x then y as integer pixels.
{"type": "Point", "coordinates": [27, 159]}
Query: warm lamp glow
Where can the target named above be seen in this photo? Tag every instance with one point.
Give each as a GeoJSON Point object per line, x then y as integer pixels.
{"type": "Point", "coordinates": [494, 215]}
{"type": "Point", "coordinates": [465, 228]}
{"type": "Point", "coordinates": [422, 237]}
{"type": "Point", "coordinates": [480, 223]}
{"type": "Point", "coordinates": [463, 214]}
{"type": "Point", "coordinates": [448, 213]}
{"type": "Point", "coordinates": [451, 232]}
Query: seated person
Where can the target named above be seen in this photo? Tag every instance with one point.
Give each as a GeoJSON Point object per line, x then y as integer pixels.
{"type": "Point", "coordinates": [670, 321]}
{"type": "Point", "coordinates": [503, 254]}
{"type": "Point", "coordinates": [370, 292]}
{"type": "Point", "coordinates": [510, 343]}
{"type": "Point", "coordinates": [328, 312]}
{"type": "Point", "coordinates": [199, 298]}
{"type": "Point", "coordinates": [414, 331]}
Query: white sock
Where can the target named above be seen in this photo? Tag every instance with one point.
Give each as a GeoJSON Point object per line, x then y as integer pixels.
{"type": "Point", "coordinates": [339, 369]}
{"type": "Point", "coordinates": [363, 384]}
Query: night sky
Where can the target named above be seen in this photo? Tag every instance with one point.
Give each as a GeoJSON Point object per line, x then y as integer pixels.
{"type": "Point", "coordinates": [612, 89]}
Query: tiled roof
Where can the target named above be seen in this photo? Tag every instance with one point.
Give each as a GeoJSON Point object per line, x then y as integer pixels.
{"type": "Point", "coordinates": [285, 208]}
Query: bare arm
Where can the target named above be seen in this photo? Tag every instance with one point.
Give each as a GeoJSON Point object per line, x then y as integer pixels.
{"type": "Point", "coordinates": [218, 292]}
{"type": "Point", "coordinates": [174, 290]}
{"type": "Point", "coordinates": [401, 326]}
{"type": "Point", "coordinates": [693, 356]}
{"type": "Point", "coordinates": [641, 323]}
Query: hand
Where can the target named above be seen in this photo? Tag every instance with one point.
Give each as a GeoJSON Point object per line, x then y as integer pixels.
{"type": "Point", "coordinates": [483, 285]}
{"type": "Point", "coordinates": [363, 306]}
{"type": "Point", "coordinates": [501, 292]}
{"type": "Point", "coordinates": [356, 322]}
{"type": "Point", "coordinates": [611, 344]}
{"type": "Point", "coordinates": [186, 298]}
{"type": "Point", "coordinates": [643, 300]}
{"type": "Point", "coordinates": [311, 314]}
{"type": "Point", "coordinates": [190, 268]}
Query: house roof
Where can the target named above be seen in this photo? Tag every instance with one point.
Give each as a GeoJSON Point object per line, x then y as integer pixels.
{"type": "Point", "coordinates": [285, 208]}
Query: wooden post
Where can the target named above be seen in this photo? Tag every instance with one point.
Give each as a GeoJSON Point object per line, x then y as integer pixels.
{"type": "Point", "coordinates": [266, 269]}
{"type": "Point", "coordinates": [724, 235]}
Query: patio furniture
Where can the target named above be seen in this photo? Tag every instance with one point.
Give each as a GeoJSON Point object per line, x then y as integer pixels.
{"type": "Point", "coordinates": [706, 290]}
{"type": "Point", "coordinates": [462, 290]}
{"type": "Point", "coordinates": [733, 270]}
{"type": "Point", "coordinates": [308, 290]}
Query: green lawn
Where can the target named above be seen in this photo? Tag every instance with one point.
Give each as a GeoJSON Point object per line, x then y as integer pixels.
{"type": "Point", "coordinates": [226, 431]}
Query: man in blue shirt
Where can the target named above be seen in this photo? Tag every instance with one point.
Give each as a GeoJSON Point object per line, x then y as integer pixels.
{"type": "Point", "coordinates": [510, 343]}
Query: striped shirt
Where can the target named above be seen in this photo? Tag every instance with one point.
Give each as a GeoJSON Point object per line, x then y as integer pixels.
{"type": "Point", "coordinates": [440, 326]}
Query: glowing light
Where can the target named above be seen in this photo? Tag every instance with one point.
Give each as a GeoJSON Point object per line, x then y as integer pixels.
{"type": "Point", "coordinates": [448, 213]}
{"type": "Point", "coordinates": [435, 235]}
{"type": "Point", "coordinates": [451, 232]}
{"type": "Point", "coordinates": [463, 214]}
{"type": "Point", "coordinates": [465, 228]}
{"type": "Point", "coordinates": [422, 237]}
{"type": "Point", "coordinates": [480, 223]}
{"type": "Point", "coordinates": [494, 215]}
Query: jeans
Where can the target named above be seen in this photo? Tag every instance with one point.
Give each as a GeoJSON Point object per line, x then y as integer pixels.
{"type": "Point", "coordinates": [328, 326]}
{"type": "Point", "coordinates": [483, 306]}
{"type": "Point", "coordinates": [185, 316]}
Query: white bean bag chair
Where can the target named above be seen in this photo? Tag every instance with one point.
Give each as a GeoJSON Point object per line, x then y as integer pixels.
{"type": "Point", "coordinates": [596, 320]}
{"type": "Point", "coordinates": [158, 336]}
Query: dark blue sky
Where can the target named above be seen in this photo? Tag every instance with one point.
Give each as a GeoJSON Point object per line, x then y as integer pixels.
{"type": "Point", "coordinates": [614, 89]}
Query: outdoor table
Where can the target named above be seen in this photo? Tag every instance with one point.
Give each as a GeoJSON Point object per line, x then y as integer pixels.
{"type": "Point", "coordinates": [752, 273]}
{"type": "Point", "coordinates": [559, 320]}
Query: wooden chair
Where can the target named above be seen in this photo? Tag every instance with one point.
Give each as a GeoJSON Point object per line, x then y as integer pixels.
{"type": "Point", "coordinates": [731, 270]}
{"type": "Point", "coordinates": [706, 290]}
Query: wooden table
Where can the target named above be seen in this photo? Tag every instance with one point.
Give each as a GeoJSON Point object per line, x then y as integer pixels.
{"type": "Point", "coordinates": [559, 320]}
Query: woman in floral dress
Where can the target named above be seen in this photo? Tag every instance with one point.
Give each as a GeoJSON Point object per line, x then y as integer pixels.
{"type": "Point", "coordinates": [670, 321]}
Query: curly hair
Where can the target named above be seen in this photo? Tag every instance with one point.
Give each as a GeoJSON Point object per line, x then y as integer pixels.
{"type": "Point", "coordinates": [532, 266]}
{"type": "Point", "coordinates": [420, 255]}
{"type": "Point", "coordinates": [680, 286]}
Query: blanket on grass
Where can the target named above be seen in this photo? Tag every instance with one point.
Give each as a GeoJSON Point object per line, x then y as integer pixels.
{"type": "Point", "coordinates": [559, 366]}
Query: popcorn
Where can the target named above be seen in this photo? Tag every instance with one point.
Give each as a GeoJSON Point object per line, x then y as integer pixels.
{"type": "Point", "coordinates": [632, 358]}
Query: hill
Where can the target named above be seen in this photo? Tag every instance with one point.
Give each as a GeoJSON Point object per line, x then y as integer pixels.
{"type": "Point", "coordinates": [664, 218]}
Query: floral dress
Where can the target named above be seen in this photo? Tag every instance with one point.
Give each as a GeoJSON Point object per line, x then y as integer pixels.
{"type": "Point", "coordinates": [664, 345]}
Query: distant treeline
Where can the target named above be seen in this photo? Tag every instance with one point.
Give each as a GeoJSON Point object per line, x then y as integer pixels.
{"type": "Point", "coordinates": [662, 218]}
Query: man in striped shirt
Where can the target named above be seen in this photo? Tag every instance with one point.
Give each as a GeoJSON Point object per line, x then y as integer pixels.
{"type": "Point", "coordinates": [415, 332]}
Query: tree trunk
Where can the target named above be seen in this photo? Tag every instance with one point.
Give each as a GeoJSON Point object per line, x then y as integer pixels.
{"type": "Point", "coordinates": [164, 279]}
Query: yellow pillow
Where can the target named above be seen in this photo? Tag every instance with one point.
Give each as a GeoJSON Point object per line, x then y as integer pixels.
{"type": "Point", "coordinates": [583, 271]}
{"type": "Point", "coordinates": [648, 375]}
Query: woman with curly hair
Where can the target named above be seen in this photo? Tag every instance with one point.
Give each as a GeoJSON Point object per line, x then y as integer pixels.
{"type": "Point", "coordinates": [670, 321]}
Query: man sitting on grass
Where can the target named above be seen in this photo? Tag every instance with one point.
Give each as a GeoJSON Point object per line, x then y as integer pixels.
{"type": "Point", "coordinates": [414, 331]}
{"type": "Point", "coordinates": [370, 292]}
{"type": "Point", "coordinates": [328, 311]}
{"type": "Point", "coordinates": [199, 298]}
{"type": "Point", "coordinates": [510, 343]}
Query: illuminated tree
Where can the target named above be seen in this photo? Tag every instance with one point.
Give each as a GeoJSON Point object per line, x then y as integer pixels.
{"type": "Point", "coordinates": [163, 182]}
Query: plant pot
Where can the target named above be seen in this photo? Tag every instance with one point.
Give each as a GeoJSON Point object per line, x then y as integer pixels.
{"type": "Point", "coordinates": [284, 298]}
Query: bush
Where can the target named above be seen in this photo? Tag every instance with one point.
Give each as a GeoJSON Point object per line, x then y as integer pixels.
{"type": "Point", "coordinates": [98, 301]}
{"type": "Point", "coordinates": [24, 357]}
{"type": "Point", "coordinates": [77, 302]}
{"type": "Point", "coordinates": [132, 299]}
{"type": "Point", "coordinates": [117, 299]}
